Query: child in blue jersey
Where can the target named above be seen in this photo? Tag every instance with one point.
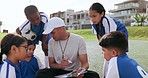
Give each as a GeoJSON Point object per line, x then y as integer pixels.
{"type": "Point", "coordinates": [102, 23]}
{"type": "Point", "coordinates": [114, 46]}
{"type": "Point", "coordinates": [31, 64]}
{"type": "Point", "coordinates": [14, 47]}
{"type": "Point", "coordinates": [36, 22]}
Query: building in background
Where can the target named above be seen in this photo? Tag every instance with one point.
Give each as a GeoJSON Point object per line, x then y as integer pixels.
{"type": "Point", "coordinates": [126, 10]}
{"type": "Point", "coordinates": [74, 20]}
{"type": "Point", "coordinates": [80, 20]}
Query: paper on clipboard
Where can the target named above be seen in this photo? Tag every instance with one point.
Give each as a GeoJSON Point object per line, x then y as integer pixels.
{"type": "Point", "coordinates": [71, 74]}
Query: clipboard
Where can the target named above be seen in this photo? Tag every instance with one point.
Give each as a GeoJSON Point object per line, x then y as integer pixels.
{"type": "Point", "coordinates": [72, 74]}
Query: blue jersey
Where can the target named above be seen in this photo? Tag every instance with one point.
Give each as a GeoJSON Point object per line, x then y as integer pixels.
{"type": "Point", "coordinates": [36, 29]}
{"type": "Point", "coordinates": [29, 68]}
{"type": "Point", "coordinates": [9, 70]}
{"type": "Point", "coordinates": [109, 25]}
{"type": "Point", "coordinates": [125, 67]}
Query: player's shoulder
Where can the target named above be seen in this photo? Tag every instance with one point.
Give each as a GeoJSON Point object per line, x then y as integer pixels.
{"type": "Point", "coordinates": [6, 66]}
{"type": "Point", "coordinates": [35, 56]}
{"type": "Point", "coordinates": [44, 17]}
{"type": "Point", "coordinates": [26, 23]}
{"type": "Point", "coordinates": [125, 59]}
{"type": "Point", "coordinates": [113, 61]}
{"type": "Point", "coordinates": [76, 36]}
{"type": "Point", "coordinates": [107, 17]}
{"type": "Point", "coordinates": [43, 14]}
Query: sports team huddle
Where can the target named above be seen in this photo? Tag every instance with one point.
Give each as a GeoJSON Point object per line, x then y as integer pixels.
{"type": "Point", "coordinates": [66, 53]}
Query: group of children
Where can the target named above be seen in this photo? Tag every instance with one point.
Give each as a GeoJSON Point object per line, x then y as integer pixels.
{"type": "Point", "coordinates": [21, 63]}
{"type": "Point", "coordinates": [113, 38]}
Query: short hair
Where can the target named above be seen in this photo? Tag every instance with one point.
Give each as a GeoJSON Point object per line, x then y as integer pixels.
{"type": "Point", "coordinates": [29, 10]}
{"type": "Point", "coordinates": [115, 39]}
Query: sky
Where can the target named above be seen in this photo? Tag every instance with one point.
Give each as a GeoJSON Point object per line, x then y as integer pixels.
{"type": "Point", "coordinates": [12, 11]}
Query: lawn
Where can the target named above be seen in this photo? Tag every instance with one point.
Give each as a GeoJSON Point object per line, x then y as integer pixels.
{"type": "Point", "coordinates": [2, 35]}
{"type": "Point", "coordinates": [135, 33]}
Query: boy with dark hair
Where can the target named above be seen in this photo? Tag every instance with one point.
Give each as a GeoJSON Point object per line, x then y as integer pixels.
{"type": "Point", "coordinates": [33, 28]}
{"type": "Point", "coordinates": [114, 47]}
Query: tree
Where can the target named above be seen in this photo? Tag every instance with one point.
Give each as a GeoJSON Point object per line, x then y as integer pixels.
{"type": "Point", "coordinates": [143, 17]}
{"type": "Point", "coordinates": [140, 19]}
{"type": "Point", "coordinates": [137, 18]}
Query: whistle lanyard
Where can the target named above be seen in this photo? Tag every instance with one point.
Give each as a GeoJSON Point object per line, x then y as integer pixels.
{"type": "Point", "coordinates": [63, 50]}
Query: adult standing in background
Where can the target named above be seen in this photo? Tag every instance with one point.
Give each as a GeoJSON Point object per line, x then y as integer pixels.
{"type": "Point", "coordinates": [103, 24]}
{"type": "Point", "coordinates": [33, 28]}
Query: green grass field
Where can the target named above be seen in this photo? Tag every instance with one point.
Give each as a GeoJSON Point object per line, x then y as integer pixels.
{"type": "Point", "coordinates": [135, 33]}
{"type": "Point", "coordinates": [2, 35]}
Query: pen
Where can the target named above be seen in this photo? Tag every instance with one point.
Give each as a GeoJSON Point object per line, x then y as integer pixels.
{"type": "Point", "coordinates": [69, 61]}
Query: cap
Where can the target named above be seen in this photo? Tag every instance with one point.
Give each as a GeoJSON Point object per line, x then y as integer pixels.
{"type": "Point", "coordinates": [54, 22]}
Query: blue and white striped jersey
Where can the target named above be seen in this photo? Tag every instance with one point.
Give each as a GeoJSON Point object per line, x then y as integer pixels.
{"type": "Point", "coordinates": [36, 29]}
{"type": "Point", "coordinates": [109, 25]}
{"type": "Point", "coordinates": [9, 70]}
{"type": "Point", "coordinates": [27, 25]}
{"type": "Point", "coordinates": [125, 67]}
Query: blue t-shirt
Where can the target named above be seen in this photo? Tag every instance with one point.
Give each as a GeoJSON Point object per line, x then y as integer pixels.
{"type": "Point", "coordinates": [125, 67]}
{"type": "Point", "coordinates": [36, 29]}
{"type": "Point", "coordinates": [29, 68]}
{"type": "Point", "coordinates": [109, 25]}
